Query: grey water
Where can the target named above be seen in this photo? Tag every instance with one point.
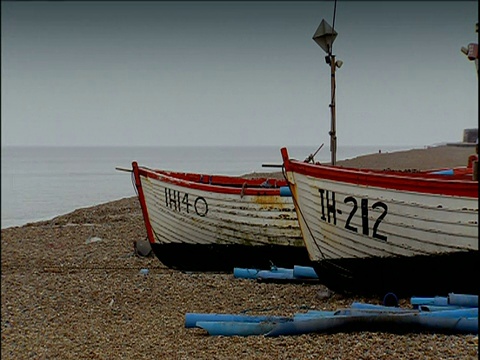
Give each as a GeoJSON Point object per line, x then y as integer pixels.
{"type": "Point", "coordinates": [40, 183]}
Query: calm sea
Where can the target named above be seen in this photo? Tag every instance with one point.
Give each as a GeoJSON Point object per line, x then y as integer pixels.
{"type": "Point", "coordinates": [40, 183]}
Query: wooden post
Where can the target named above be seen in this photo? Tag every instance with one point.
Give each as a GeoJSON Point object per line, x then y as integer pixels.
{"type": "Point", "coordinates": [333, 131]}
{"type": "Point", "coordinates": [475, 163]}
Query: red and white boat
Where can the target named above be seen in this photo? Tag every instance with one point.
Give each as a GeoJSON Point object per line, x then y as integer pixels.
{"type": "Point", "coordinates": [201, 222]}
{"type": "Point", "coordinates": [371, 231]}
{"type": "Point", "coordinates": [374, 232]}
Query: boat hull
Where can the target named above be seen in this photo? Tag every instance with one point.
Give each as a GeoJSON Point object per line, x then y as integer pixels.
{"type": "Point", "coordinates": [376, 232]}
{"type": "Point", "coordinates": [403, 276]}
{"type": "Point", "coordinates": [224, 258]}
{"type": "Point", "coordinates": [198, 222]}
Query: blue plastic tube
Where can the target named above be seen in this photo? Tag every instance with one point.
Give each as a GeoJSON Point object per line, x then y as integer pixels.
{"type": "Point", "coordinates": [376, 312]}
{"type": "Point", "coordinates": [443, 172]}
{"type": "Point", "coordinates": [445, 311]}
{"type": "Point", "coordinates": [243, 273]}
{"type": "Point", "coordinates": [192, 318]}
{"type": "Point", "coordinates": [394, 323]}
{"type": "Point", "coordinates": [437, 300]}
{"type": "Point", "coordinates": [274, 273]}
{"type": "Point", "coordinates": [234, 328]}
{"type": "Point", "coordinates": [312, 314]}
{"type": "Point", "coordinates": [359, 305]}
{"type": "Point", "coordinates": [453, 313]}
{"type": "Point", "coordinates": [463, 300]}
{"type": "Point", "coordinates": [437, 308]}
{"type": "Point", "coordinates": [304, 272]}
{"type": "Point", "coordinates": [285, 191]}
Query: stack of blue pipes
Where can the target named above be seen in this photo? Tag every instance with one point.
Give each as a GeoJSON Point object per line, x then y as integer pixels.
{"type": "Point", "coordinates": [453, 314]}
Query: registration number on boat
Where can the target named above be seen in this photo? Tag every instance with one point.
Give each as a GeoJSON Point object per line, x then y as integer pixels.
{"type": "Point", "coordinates": [178, 201]}
{"type": "Point", "coordinates": [329, 213]}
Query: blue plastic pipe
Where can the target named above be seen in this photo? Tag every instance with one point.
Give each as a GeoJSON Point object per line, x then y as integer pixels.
{"type": "Point", "coordinates": [285, 191]}
{"type": "Point", "coordinates": [312, 314]}
{"type": "Point", "coordinates": [376, 312]}
{"type": "Point", "coordinates": [443, 172]}
{"type": "Point", "coordinates": [463, 300]}
{"type": "Point", "coordinates": [243, 273]}
{"type": "Point", "coordinates": [274, 273]}
{"type": "Point", "coordinates": [437, 300]}
{"type": "Point", "coordinates": [360, 305]}
{"type": "Point", "coordinates": [191, 319]}
{"type": "Point", "coordinates": [423, 310]}
{"type": "Point", "coordinates": [298, 272]}
{"type": "Point", "coordinates": [389, 323]}
{"type": "Point", "coordinates": [449, 325]}
{"type": "Point", "coordinates": [234, 328]}
{"type": "Point", "coordinates": [304, 272]}
{"type": "Point", "coordinates": [317, 325]}
{"type": "Point", "coordinates": [437, 308]}
{"type": "Point", "coordinates": [454, 313]}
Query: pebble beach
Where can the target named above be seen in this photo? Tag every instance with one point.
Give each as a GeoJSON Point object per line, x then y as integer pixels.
{"type": "Point", "coordinates": [73, 288]}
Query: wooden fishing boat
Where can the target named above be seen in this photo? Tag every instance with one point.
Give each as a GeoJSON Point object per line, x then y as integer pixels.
{"type": "Point", "coordinates": [373, 231]}
{"type": "Point", "coordinates": [201, 222]}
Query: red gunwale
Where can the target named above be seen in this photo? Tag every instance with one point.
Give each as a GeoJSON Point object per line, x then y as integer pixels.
{"type": "Point", "coordinates": [216, 183]}
{"type": "Point", "coordinates": [418, 182]}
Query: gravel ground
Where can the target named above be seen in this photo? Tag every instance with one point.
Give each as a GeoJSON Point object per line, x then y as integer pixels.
{"type": "Point", "coordinates": [66, 296]}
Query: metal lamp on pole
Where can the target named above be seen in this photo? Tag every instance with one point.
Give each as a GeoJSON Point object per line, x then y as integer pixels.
{"type": "Point", "coordinates": [324, 37]}
{"type": "Point", "coordinates": [472, 51]}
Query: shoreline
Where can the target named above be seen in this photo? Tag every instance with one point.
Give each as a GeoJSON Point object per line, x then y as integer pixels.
{"type": "Point", "coordinates": [435, 157]}
{"type": "Point", "coordinates": [431, 157]}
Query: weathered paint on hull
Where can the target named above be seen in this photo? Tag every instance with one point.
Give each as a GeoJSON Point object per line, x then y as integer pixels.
{"type": "Point", "coordinates": [346, 221]}
{"type": "Point", "coordinates": [372, 231]}
{"type": "Point", "coordinates": [224, 258]}
{"type": "Point", "coordinates": [201, 226]}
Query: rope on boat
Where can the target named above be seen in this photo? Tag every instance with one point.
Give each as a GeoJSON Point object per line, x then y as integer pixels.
{"type": "Point", "coordinates": [243, 189]}
{"type": "Point", "coordinates": [310, 157]}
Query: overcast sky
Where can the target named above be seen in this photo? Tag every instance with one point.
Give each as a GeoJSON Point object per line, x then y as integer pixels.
{"type": "Point", "coordinates": [235, 73]}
